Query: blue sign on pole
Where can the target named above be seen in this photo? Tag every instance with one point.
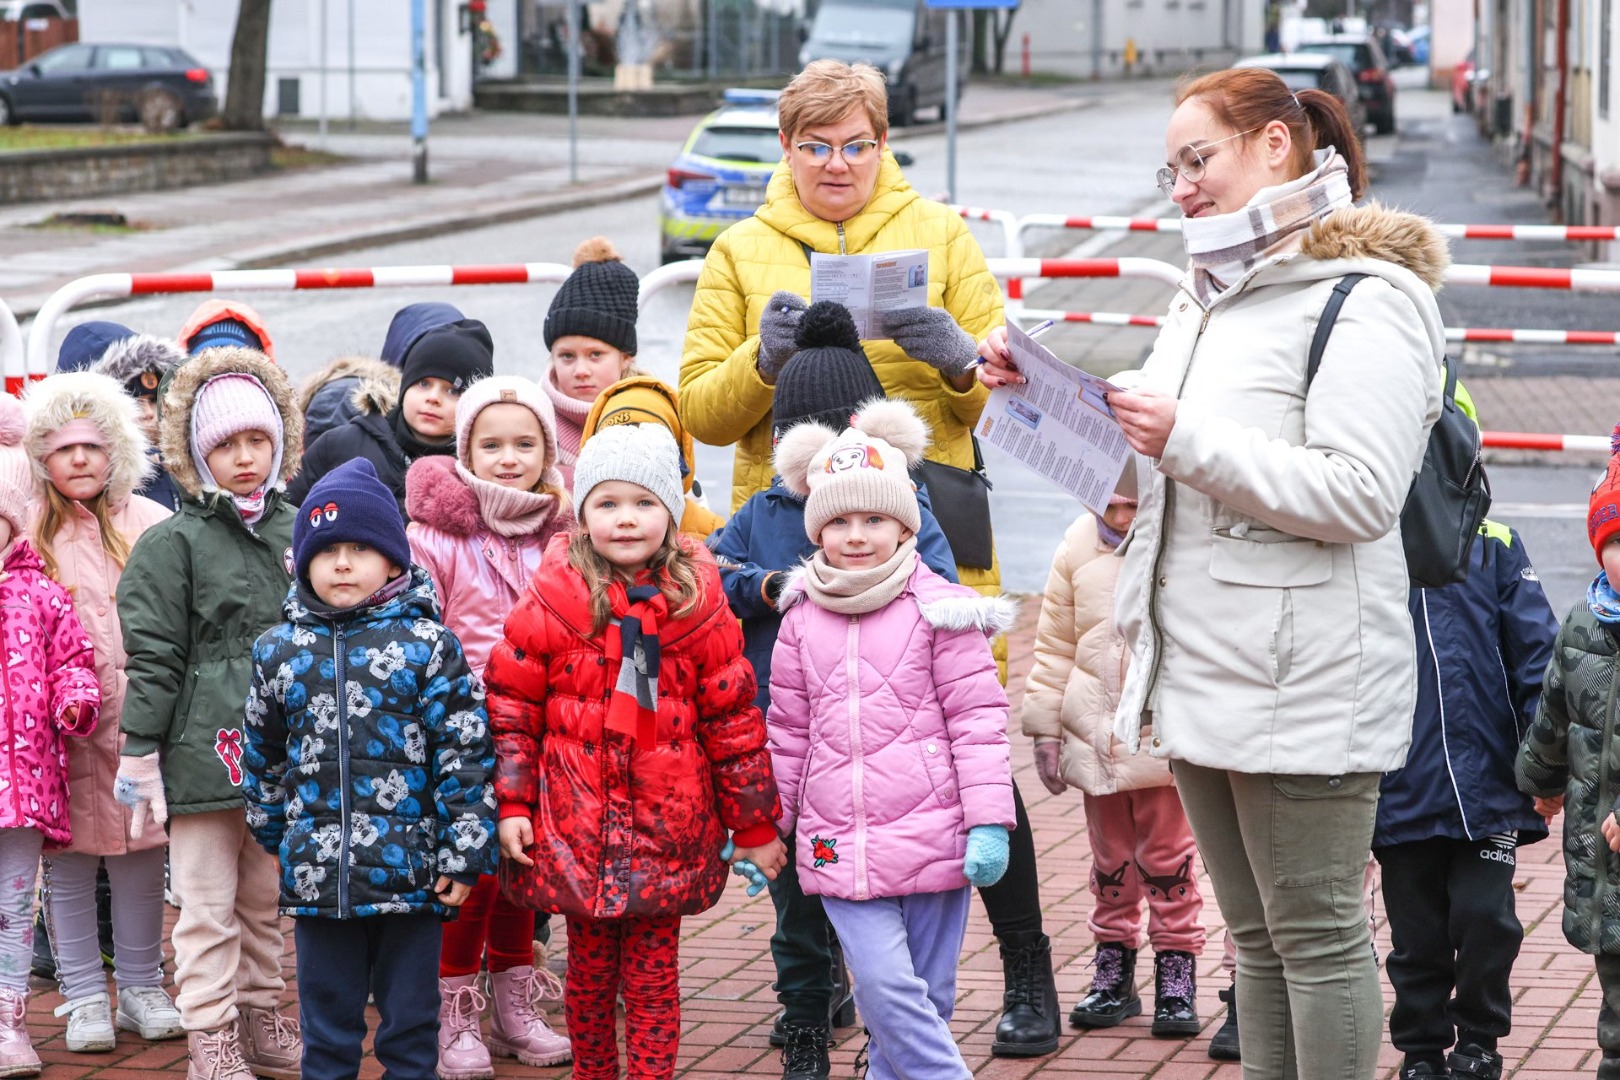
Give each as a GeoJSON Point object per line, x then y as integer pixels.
{"type": "Point", "coordinates": [971, 3]}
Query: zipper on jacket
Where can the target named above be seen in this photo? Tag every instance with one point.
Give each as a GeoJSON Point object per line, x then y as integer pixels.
{"type": "Point", "coordinates": [852, 680]}
{"type": "Point", "coordinates": [1158, 558]}
{"type": "Point", "coordinates": [11, 726]}
{"type": "Point", "coordinates": [343, 770]}
{"type": "Point", "coordinates": [839, 225]}
{"type": "Point", "coordinates": [1440, 694]}
{"type": "Point", "coordinates": [1605, 807]}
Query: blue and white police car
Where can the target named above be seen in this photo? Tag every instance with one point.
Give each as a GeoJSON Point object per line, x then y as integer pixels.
{"type": "Point", "coordinates": [720, 175]}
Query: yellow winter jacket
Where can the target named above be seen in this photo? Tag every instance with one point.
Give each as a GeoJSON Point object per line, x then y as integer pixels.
{"type": "Point", "coordinates": [722, 398]}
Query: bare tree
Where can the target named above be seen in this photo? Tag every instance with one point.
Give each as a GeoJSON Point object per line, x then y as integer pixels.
{"type": "Point", "coordinates": [250, 47]}
{"type": "Point", "coordinates": [991, 29]}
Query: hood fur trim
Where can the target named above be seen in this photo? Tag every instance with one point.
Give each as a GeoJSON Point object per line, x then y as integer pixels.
{"type": "Point", "coordinates": [436, 496]}
{"type": "Point", "coordinates": [174, 423]}
{"type": "Point", "coordinates": [128, 358]}
{"type": "Point", "coordinates": [364, 368]}
{"type": "Point", "coordinates": [100, 399]}
{"type": "Point", "coordinates": [994, 615]}
{"type": "Point", "coordinates": [377, 394]}
{"type": "Point", "coordinates": [1375, 231]}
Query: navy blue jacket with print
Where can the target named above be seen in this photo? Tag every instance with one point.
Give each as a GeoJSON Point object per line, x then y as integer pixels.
{"type": "Point", "coordinates": [1482, 649]}
{"type": "Point", "coordinates": [368, 795]}
{"type": "Point", "coordinates": [767, 533]}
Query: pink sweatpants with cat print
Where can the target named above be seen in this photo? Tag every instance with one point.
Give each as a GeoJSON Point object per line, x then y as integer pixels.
{"type": "Point", "coordinates": [1142, 849]}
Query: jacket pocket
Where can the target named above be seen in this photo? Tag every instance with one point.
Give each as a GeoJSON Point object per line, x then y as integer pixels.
{"type": "Point", "coordinates": [941, 769]}
{"type": "Point", "coordinates": [1254, 558]}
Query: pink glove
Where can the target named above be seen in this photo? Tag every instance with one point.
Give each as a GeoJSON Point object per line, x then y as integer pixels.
{"type": "Point", "coordinates": [139, 786]}
{"type": "Point", "coordinates": [1047, 752]}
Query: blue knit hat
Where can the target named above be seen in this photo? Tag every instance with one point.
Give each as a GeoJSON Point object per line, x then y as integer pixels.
{"type": "Point", "coordinates": [349, 505]}
{"type": "Point", "coordinates": [89, 342]}
{"type": "Point", "coordinates": [226, 333]}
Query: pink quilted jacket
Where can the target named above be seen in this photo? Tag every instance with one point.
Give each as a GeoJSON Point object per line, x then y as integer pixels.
{"type": "Point", "coordinates": [46, 666]}
{"type": "Point", "coordinates": [478, 575]}
{"type": "Point", "coordinates": [889, 737]}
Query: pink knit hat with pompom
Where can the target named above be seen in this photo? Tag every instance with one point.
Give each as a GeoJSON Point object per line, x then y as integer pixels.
{"type": "Point", "coordinates": [16, 470]}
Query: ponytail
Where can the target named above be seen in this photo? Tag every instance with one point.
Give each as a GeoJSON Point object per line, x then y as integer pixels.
{"type": "Point", "coordinates": [1245, 98]}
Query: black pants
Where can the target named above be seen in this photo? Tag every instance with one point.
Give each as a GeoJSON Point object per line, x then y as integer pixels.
{"type": "Point", "coordinates": [1455, 934]}
{"type": "Point", "coordinates": [802, 943]}
{"type": "Point", "coordinates": [396, 957]}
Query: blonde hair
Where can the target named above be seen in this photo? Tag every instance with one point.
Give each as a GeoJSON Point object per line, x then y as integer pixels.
{"type": "Point", "coordinates": [57, 512]}
{"type": "Point", "coordinates": [824, 92]}
{"type": "Point", "coordinates": [672, 567]}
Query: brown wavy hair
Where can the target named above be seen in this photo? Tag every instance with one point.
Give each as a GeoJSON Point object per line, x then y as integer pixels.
{"type": "Point", "coordinates": [673, 569]}
{"type": "Point", "coordinates": [58, 511]}
{"type": "Point", "coordinates": [1245, 98]}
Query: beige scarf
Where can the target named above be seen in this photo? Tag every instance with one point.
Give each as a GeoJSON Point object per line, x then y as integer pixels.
{"type": "Point", "coordinates": [856, 592]}
{"type": "Point", "coordinates": [509, 512]}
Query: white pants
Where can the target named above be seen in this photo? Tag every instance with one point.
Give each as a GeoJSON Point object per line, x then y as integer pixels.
{"type": "Point", "coordinates": [137, 918]}
{"type": "Point", "coordinates": [19, 869]}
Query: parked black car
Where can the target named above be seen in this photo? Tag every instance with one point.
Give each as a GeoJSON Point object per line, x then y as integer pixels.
{"type": "Point", "coordinates": [1314, 71]}
{"type": "Point", "coordinates": [1367, 63]}
{"type": "Point", "coordinates": [158, 85]}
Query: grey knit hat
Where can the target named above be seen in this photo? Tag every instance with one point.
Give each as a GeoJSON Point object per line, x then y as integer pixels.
{"type": "Point", "coordinates": [642, 454]}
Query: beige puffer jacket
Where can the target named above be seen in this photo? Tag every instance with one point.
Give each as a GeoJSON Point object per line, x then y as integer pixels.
{"type": "Point", "coordinates": [1073, 689]}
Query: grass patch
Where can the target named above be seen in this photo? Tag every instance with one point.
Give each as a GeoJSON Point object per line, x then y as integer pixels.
{"type": "Point", "coordinates": [293, 156]}
{"type": "Point", "coordinates": [96, 223]}
{"type": "Point", "coordinates": [29, 137]}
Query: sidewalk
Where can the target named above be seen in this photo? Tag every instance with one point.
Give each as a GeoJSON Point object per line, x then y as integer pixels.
{"type": "Point", "coordinates": [728, 1004]}
{"type": "Point", "coordinates": [485, 169]}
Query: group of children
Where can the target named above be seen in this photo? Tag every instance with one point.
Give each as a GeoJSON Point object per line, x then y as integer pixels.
{"type": "Point", "coordinates": [481, 652]}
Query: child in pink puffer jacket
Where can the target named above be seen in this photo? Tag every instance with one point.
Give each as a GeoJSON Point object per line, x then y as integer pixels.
{"type": "Point", "coordinates": [888, 733]}
{"type": "Point", "coordinates": [48, 682]}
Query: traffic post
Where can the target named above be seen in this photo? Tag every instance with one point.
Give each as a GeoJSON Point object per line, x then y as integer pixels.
{"type": "Point", "coordinates": [953, 75]}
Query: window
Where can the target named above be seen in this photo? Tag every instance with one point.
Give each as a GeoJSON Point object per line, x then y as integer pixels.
{"type": "Point", "coordinates": [118, 58]}
{"type": "Point", "coordinates": [160, 58]}
{"type": "Point", "coordinates": [67, 58]}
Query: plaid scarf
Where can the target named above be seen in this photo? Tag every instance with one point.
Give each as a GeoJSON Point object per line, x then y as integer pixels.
{"type": "Point", "coordinates": [633, 705]}
{"type": "Point", "coordinates": [1225, 247]}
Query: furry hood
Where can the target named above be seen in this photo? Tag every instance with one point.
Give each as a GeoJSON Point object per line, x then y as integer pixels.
{"type": "Point", "coordinates": [364, 368]}
{"type": "Point", "coordinates": [377, 394]}
{"type": "Point", "coordinates": [126, 359]}
{"type": "Point", "coordinates": [1374, 231]}
{"type": "Point", "coordinates": [436, 496]}
{"type": "Point", "coordinates": [174, 424]}
{"type": "Point", "coordinates": [86, 395]}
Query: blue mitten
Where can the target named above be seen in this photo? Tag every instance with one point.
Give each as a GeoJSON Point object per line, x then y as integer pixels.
{"type": "Point", "coordinates": [757, 881]}
{"type": "Point", "coordinates": [986, 858]}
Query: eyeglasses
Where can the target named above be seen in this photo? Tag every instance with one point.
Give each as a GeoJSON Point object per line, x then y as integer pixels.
{"type": "Point", "coordinates": [853, 153]}
{"type": "Point", "coordinates": [1190, 162]}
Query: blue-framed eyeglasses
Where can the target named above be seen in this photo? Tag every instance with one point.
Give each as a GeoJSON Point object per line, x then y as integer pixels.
{"type": "Point", "coordinates": [853, 153]}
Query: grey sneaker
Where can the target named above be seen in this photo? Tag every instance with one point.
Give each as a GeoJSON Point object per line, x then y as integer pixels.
{"type": "Point", "coordinates": [147, 1011]}
{"type": "Point", "coordinates": [90, 1024]}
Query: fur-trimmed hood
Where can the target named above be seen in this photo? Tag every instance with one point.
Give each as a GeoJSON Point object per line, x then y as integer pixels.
{"type": "Point", "coordinates": [174, 425]}
{"type": "Point", "coordinates": [1375, 231]}
{"type": "Point", "coordinates": [364, 368]}
{"type": "Point", "coordinates": [86, 395]}
{"type": "Point", "coordinates": [126, 359]}
{"type": "Point", "coordinates": [377, 394]}
{"type": "Point", "coordinates": [438, 498]}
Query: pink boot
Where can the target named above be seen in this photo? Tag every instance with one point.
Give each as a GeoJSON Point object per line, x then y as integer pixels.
{"type": "Point", "coordinates": [17, 1057]}
{"type": "Point", "coordinates": [462, 1054]}
{"type": "Point", "coordinates": [517, 1027]}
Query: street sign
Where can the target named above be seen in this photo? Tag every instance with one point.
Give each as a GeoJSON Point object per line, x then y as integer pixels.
{"type": "Point", "coordinates": [970, 3]}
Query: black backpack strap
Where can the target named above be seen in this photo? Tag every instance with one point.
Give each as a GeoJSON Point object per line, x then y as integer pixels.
{"type": "Point", "coordinates": [1324, 325]}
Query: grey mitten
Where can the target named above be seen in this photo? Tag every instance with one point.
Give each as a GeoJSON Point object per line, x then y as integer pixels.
{"type": "Point", "coordinates": [932, 336]}
{"type": "Point", "coordinates": [779, 332]}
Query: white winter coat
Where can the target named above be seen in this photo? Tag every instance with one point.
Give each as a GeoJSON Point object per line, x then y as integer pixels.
{"type": "Point", "coordinates": [1079, 670]}
{"type": "Point", "coordinates": [1263, 591]}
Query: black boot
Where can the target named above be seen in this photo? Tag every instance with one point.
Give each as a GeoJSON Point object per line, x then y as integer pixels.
{"type": "Point", "coordinates": [1113, 997]}
{"type": "Point", "coordinates": [841, 1011]}
{"type": "Point", "coordinates": [804, 1053]}
{"type": "Point", "coordinates": [1029, 1002]}
{"type": "Point", "coordinates": [1609, 1067]}
{"type": "Point", "coordinates": [1421, 1069]}
{"type": "Point", "coordinates": [1175, 994]}
{"type": "Point", "coordinates": [1223, 1046]}
{"type": "Point", "coordinates": [1469, 1059]}
{"type": "Point", "coordinates": [44, 962]}
{"type": "Point", "coordinates": [104, 931]}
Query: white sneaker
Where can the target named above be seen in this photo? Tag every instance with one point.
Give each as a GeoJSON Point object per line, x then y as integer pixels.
{"type": "Point", "coordinates": [147, 1011]}
{"type": "Point", "coordinates": [90, 1024]}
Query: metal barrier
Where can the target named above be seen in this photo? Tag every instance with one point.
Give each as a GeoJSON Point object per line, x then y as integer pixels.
{"type": "Point", "coordinates": [1564, 233]}
{"type": "Point", "coordinates": [1534, 277]}
{"type": "Point", "coordinates": [1011, 227]}
{"type": "Point", "coordinates": [13, 357]}
{"type": "Point", "coordinates": [676, 273]}
{"type": "Point", "coordinates": [1535, 440]}
{"type": "Point", "coordinates": [95, 286]}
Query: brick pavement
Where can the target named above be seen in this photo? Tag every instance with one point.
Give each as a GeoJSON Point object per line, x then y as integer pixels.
{"type": "Point", "coordinates": [728, 1004]}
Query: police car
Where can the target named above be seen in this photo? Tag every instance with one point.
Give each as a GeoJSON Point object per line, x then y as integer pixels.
{"type": "Point", "coordinates": [720, 175]}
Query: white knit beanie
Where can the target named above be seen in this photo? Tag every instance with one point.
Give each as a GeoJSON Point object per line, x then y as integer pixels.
{"type": "Point", "coordinates": [642, 454]}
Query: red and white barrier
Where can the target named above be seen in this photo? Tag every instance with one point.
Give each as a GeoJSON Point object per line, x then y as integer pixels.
{"type": "Point", "coordinates": [675, 273]}
{"type": "Point", "coordinates": [13, 355]}
{"type": "Point", "coordinates": [1100, 223]}
{"type": "Point", "coordinates": [1567, 233]}
{"type": "Point", "coordinates": [1535, 440]}
{"type": "Point", "coordinates": [1094, 318]}
{"type": "Point", "coordinates": [1011, 227]}
{"type": "Point", "coordinates": [1535, 337]}
{"type": "Point", "coordinates": [288, 280]}
{"type": "Point", "coordinates": [1017, 269]}
{"type": "Point", "coordinates": [1534, 277]}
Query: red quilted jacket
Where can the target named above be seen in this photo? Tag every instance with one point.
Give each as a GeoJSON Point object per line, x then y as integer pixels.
{"type": "Point", "coordinates": [620, 830]}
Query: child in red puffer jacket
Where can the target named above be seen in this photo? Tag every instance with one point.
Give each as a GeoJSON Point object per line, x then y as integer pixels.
{"type": "Point", "coordinates": [628, 748]}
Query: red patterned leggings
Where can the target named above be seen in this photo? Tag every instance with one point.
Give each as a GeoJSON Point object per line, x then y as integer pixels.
{"type": "Point", "coordinates": [642, 956]}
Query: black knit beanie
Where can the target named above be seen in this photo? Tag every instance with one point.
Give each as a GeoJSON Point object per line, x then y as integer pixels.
{"type": "Point", "coordinates": [597, 301]}
{"type": "Point", "coordinates": [459, 353]}
{"type": "Point", "coordinates": [829, 377]}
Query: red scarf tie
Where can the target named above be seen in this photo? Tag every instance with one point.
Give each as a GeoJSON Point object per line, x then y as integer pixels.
{"type": "Point", "coordinates": [633, 705]}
